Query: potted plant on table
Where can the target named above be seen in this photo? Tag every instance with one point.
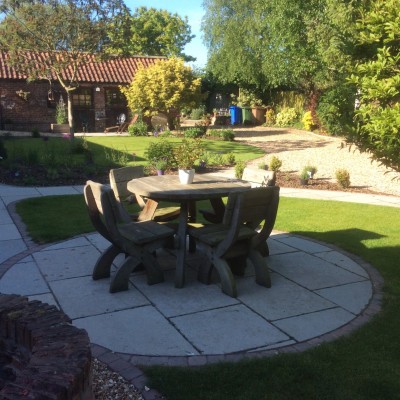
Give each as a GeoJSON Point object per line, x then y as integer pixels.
{"type": "Point", "coordinates": [160, 166]}
{"type": "Point", "coordinates": [186, 154]}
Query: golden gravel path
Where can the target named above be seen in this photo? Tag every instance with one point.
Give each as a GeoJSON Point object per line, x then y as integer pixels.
{"type": "Point", "coordinates": [297, 148]}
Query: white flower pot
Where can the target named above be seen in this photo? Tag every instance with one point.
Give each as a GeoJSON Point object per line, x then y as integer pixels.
{"type": "Point", "coordinates": [186, 176]}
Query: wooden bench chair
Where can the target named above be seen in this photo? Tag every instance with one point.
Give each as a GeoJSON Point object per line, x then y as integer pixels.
{"type": "Point", "coordinates": [119, 178]}
{"type": "Point", "coordinates": [139, 240]}
{"type": "Point", "coordinates": [92, 192]}
{"type": "Point", "coordinates": [228, 244]}
{"type": "Point", "coordinates": [256, 177]}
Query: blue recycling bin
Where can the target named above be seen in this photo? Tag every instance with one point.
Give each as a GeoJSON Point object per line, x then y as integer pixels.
{"type": "Point", "coordinates": [236, 115]}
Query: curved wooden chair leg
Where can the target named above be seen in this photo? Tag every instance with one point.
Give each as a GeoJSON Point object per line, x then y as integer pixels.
{"type": "Point", "coordinates": [120, 281]}
{"type": "Point", "coordinates": [103, 264]}
{"type": "Point", "coordinates": [228, 282]}
{"type": "Point", "coordinates": [263, 277]}
{"type": "Point", "coordinates": [153, 269]}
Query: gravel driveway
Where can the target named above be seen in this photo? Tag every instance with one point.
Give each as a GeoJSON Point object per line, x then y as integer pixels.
{"type": "Point", "coordinates": [298, 148]}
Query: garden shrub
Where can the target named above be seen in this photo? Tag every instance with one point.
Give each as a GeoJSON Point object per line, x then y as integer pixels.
{"type": "Point", "coordinates": [286, 117]}
{"type": "Point", "coordinates": [61, 113]}
{"type": "Point", "coordinates": [194, 133]}
{"type": "Point", "coordinates": [138, 129]}
{"type": "Point", "coordinates": [226, 135]}
{"type": "Point", "coordinates": [3, 150]}
{"type": "Point", "coordinates": [160, 149]}
{"type": "Point", "coordinates": [270, 117]}
{"type": "Point", "coordinates": [275, 164]}
{"type": "Point", "coordinates": [230, 158]}
{"type": "Point", "coordinates": [197, 113]}
{"type": "Point", "coordinates": [308, 121]}
{"type": "Point", "coordinates": [335, 109]}
{"type": "Point", "coordinates": [343, 177]}
{"type": "Point", "coordinates": [239, 168]}
{"type": "Point", "coordinates": [35, 133]}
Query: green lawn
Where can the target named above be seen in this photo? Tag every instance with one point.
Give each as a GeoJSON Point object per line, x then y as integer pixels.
{"type": "Point", "coordinates": [106, 151]}
{"type": "Point", "coordinates": [365, 365]}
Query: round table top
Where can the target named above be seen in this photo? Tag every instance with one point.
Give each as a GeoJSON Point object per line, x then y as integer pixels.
{"type": "Point", "coordinates": [168, 187]}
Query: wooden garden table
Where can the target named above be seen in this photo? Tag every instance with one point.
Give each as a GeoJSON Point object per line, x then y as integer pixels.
{"type": "Point", "coordinates": [168, 188]}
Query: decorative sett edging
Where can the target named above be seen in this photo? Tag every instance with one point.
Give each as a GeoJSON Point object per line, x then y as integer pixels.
{"type": "Point", "coordinates": [43, 356]}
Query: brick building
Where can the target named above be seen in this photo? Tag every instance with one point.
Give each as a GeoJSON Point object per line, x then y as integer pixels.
{"type": "Point", "coordinates": [97, 102]}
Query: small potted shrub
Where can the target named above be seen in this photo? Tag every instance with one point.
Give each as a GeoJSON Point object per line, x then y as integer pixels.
{"type": "Point", "coordinates": [304, 176]}
{"type": "Point", "coordinates": [186, 154]}
{"type": "Point", "coordinates": [275, 164]}
{"type": "Point", "coordinates": [312, 170]}
{"type": "Point", "coordinates": [160, 166]}
{"type": "Point", "coordinates": [343, 177]}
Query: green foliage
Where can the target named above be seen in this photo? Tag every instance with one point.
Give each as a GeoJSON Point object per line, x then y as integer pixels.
{"type": "Point", "coordinates": [61, 114]}
{"type": "Point", "coordinates": [189, 151]}
{"type": "Point", "coordinates": [335, 109]}
{"type": "Point", "coordinates": [230, 158]}
{"type": "Point", "coordinates": [378, 82]}
{"type": "Point", "coordinates": [160, 153]}
{"type": "Point", "coordinates": [311, 170]}
{"type": "Point", "coordinates": [270, 117]}
{"type": "Point", "coordinates": [304, 174]}
{"type": "Point", "coordinates": [138, 129]}
{"type": "Point", "coordinates": [193, 133]}
{"type": "Point", "coordinates": [275, 164]}
{"type": "Point", "coordinates": [343, 177]}
{"type": "Point", "coordinates": [3, 151]}
{"type": "Point", "coordinates": [308, 121]}
{"type": "Point", "coordinates": [150, 32]}
{"type": "Point", "coordinates": [35, 133]}
{"type": "Point", "coordinates": [198, 113]}
{"type": "Point", "coordinates": [228, 135]}
{"type": "Point", "coordinates": [166, 86]}
{"type": "Point", "coordinates": [239, 168]}
{"type": "Point", "coordinates": [116, 157]}
{"type": "Point", "coordinates": [286, 117]}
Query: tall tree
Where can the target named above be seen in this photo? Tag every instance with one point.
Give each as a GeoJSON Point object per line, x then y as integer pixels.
{"type": "Point", "coordinates": [295, 44]}
{"type": "Point", "coordinates": [378, 82]}
{"type": "Point", "coordinates": [61, 32]}
{"type": "Point", "coordinates": [166, 86]}
{"type": "Point", "coordinates": [151, 32]}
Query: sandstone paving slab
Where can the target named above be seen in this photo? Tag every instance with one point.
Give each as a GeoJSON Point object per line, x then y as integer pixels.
{"type": "Point", "coordinates": [283, 299]}
{"type": "Point", "coordinates": [98, 241]}
{"type": "Point", "coordinates": [9, 248]}
{"type": "Point", "coordinates": [140, 331]}
{"type": "Point", "coordinates": [310, 271]}
{"type": "Point", "coordinates": [57, 190]}
{"type": "Point", "coordinates": [45, 298]}
{"type": "Point", "coordinates": [82, 297]}
{"type": "Point", "coordinates": [343, 261]}
{"type": "Point", "coordinates": [66, 263]}
{"type": "Point", "coordinates": [4, 216]}
{"type": "Point", "coordinates": [2, 205]}
{"type": "Point", "coordinates": [9, 232]}
{"type": "Point", "coordinates": [7, 190]}
{"type": "Point", "coordinates": [353, 297]}
{"type": "Point", "coordinates": [23, 279]}
{"type": "Point", "coordinates": [193, 297]}
{"type": "Point", "coordinates": [307, 326]}
{"type": "Point", "coordinates": [228, 329]}
{"type": "Point", "coordinates": [277, 247]}
{"type": "Point", "coordinates": [68, 244]}
{"type": "Point", "coordinates": [14, 197]}
{"type": "Point", "coordinates": [302, 244]}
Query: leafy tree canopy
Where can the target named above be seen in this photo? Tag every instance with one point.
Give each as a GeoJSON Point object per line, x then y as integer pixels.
{"type": "Point", "coordinates": [150, 32]}
{"type": "Point", "coordinates": [64, 31]}
{"type": "Point", "coordinates": [378, 81]}
{"type": "Point", "coordinates": [166, 86]}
